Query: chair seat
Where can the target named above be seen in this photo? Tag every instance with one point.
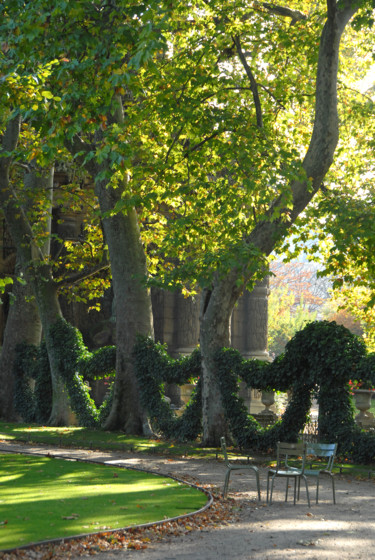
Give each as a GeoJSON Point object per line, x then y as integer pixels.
{"type": "Point", "coordinates": [316, 472]}
{"type": "Point", "coordinates": [236, 467]}
{"type": "Point", "coordinates": [286, 472]}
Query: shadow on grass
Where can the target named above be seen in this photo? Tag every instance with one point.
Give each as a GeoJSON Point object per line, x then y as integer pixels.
{"type": "Point", "coordinates": [44, 498]}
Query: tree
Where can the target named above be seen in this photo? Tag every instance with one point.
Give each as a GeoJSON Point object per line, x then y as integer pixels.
{"type": "Point", "coordinates": [302, 280]}
{"type": "Point", "coordinates": [25, 200]}
{"type": "Point", "coordinates": [210, 148]}
{"type": "Point", "coordinates": [338, 229]}
{"type": "Point", "coordinates": [253, 195]}
{"type": "Point", "coordinates": [89, 120]}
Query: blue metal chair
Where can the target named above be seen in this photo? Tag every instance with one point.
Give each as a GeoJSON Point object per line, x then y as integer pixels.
{"type": "Point", "coordinates": [284, 470]}
{"type": "Point", "coordinates": [320, 451]}
{"type": "Point", "coordinates": [235, 467]}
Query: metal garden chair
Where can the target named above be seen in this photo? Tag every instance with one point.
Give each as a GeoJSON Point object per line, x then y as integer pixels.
{"type": "Point", "coordinates": [235, 467]}
{"type": "Point", "coordinates": [283, 469]}
{"type": "Point", "coordinates": [320, 451]}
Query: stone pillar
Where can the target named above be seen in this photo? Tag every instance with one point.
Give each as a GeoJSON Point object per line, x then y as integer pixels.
{"type": "Point", "coordinates": [163, 310]}
{"type": "Point", "coordinates": [186, 325]}
{"type": "Point", "coordinates": [176, 323]}
{"type": "Point", "coordinates": [249, 335]}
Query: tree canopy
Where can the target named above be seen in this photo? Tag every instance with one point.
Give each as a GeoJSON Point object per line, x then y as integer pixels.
{"type": "Point", "coordinates": [207, 128]}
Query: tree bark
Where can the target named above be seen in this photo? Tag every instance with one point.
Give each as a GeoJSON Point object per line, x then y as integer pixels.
{"type": "Point", "coordinates": [23, 325]}
{"type": "Point", "coordinates": [217, 304]}
{"type": "Point", "coordinates": [37, 271]}
{"type": "Point", "coordinates": [132, 307]}
{"type": "Point", "coordinates": [132, 298]}
{"type": "Point", "coordinates": [216, 310]}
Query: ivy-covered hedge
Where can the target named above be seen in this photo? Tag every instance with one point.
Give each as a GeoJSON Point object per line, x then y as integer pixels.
{"type": "Point", "coordinates": [154, 367]}
{"type": "Point", "coordinates": [75, 363]}
{"type": "Point", "coordinates": [319, 361]}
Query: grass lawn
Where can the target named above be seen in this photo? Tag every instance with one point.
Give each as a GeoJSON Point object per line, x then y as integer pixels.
{"type": "Point", "coordinates": [43, 498]}
{"type": "Point", "coordinates": [87, 438]}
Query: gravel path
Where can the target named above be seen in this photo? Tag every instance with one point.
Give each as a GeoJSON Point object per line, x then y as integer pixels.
{"type": "Point", "coordinates": [279, 531]}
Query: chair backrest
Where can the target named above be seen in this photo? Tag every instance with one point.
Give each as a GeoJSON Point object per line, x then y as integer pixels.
{"type": "Point", "coordinates": [224, 450]}
{"type": "Point", "coordinates": [287, 450]}
{"type": "Point", "coordinates": [323, 450]}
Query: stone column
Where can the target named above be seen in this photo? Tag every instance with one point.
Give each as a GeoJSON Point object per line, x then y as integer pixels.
{"type": "Point", "coordinates": [249, 335]}
{"type": "Point", "coordinates": [176, 322]}
{"type": "Point", "coordinates": [186, 324]}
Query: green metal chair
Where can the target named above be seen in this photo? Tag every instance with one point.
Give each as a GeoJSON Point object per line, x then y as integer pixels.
{"type": "Point", "coordinates": [283, 469]}
{"type": "Point", "coordinates": [235, 467]}
{"type": "Point", "coordinates": [320, 451]}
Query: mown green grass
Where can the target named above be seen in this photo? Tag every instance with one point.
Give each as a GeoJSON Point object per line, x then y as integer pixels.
{"type": "Point", "coordinates": [44, 498]}
{"type": "Point", "coordinates": [97, 439]}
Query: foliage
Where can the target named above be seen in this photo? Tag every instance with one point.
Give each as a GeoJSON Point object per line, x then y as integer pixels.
{"type": "Point", "coordinates": [154, 368]}
{"type": "Point", "coordinates": [302, 280]}
{"type": "Point", "coordinates": [319, 360]}
{"type": "Point", "coordinates": [24, 371]}
{"type": "Point", "coordinates": [218, 102]}
{"type": "Point", "coordinates": [43, 385]}
{"type": "Point", "coordinates": [285, 318]}
{"type": "Point", "coordinates": [75, 362]}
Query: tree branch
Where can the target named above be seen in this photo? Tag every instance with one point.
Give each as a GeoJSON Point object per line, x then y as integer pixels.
{"type": "Point", "coordinates": [83, 274]}
{"type": "Point", "coordinates": [295, 15]}
{"type": "Point", "coordinates": [253, 84]}
{"type": "Point", "coordinates": [9, 140]}
{"type": "Point", "coordinates": [206, 139]}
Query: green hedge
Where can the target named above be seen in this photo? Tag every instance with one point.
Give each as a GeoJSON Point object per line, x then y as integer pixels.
{"type": "Point", "coordinates": [319, 361]}
{"type": "Point", "coordinates": [75, 363]}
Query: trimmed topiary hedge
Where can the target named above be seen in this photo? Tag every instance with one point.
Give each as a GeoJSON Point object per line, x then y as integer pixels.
{"type": "Point", "coordinates": [75, 361]}
{"type": "Point", "coordinates": [319, 361]}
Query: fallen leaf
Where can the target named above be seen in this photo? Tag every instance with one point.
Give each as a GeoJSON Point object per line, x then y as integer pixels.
{"type": "Point", "coordinates": [307, 543]}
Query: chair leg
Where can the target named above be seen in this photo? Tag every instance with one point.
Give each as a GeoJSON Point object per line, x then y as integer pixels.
{"type": "Point", "coordinates": [287, 489]}
{"type": "Point", "coordinates": [226, 484]}
{"type": "Point", "coordinates": [295, 489]}
{"type": "Point", "coordinates": [317, 489]}
{"type": "Point", "coordinates": [333, 489]}
{"type": "Point", "coordinates": [258, 483]}
{"type": "Point", "coordinates": [307, 490]}
{"type": "Point", "coordinates": [272, 481]}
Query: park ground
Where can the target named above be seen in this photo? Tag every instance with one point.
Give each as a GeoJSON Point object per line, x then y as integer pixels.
{"type": "Point", "coordinates": [255, 530]}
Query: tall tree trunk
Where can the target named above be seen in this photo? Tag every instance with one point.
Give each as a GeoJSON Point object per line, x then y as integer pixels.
{"type": "Point", "coordinates": [37, 271]}
{"type": "Point", "coordinates": [215, 314]}
{"type": "Point", "coordinates": [132, 298]}
{"type": "Point", "coordinates": [132, 308]}
{"type": "Point", "coordinates": [217, 304]}
{"type": "Point", "coordinates": [23, 325]}
{"type": "Point", "coordinates": [23, 322]}
{"type": "Point", "coordinates": [46, 296]}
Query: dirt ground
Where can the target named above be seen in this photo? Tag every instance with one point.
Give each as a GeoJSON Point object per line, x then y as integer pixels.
{"type": "Point", "coordinates": [280, 531]}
